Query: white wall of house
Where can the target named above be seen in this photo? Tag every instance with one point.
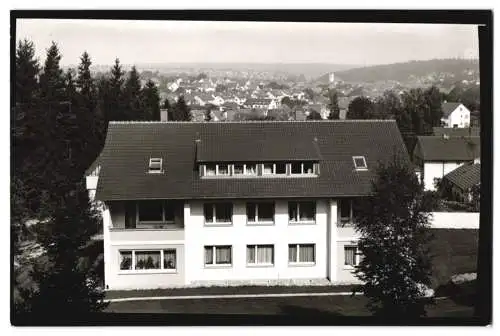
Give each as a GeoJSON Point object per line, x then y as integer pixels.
{"type": "Point", "coordinates": [434, 170]}
{"type": "Point", "coordinates": [454, 220]}
{"type": "Point", "coordinates": [239, 234]}
{"type": "Point", "coordinates": [459, 117]}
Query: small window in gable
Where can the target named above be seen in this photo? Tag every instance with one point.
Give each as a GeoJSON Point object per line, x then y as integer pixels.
{"type": "Point", "coordinates": [359, 162]}
{"type": "Point", "coordinates": [155, 165]}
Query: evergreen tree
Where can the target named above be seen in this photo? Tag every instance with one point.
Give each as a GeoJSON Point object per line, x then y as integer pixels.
{"type": "Point", "coordinates": [360, 108]}
{"type": "Point", "coordinates": [333, 105]}
{"type": "Point", "coordinates": [84, 81]}
{"type": "Point", "coordinates": [112, 92]}
{"type": "Point", "coordinates": [434, 101]}
{"type": "Point", "coordinates": [27, 72]}
{"type": "Point", "coordinates": [180, 111]}
{"type": "Point", "coordinates": [132, 93]}
{"type": "Point", "coordinates": [314, 115]}
{"type": "Point", "coordinates": [52, 78]}
{"type": "Point", "coordinates": [169, 108]}
{"type": "Point", "coordinates": [393, 224]}
{"type": "Point", "coordinates": [151, 101]}
{"type": "Point", "coordinates": [68, 282]}
{"type": "Point", "coordinates": [208, 114]}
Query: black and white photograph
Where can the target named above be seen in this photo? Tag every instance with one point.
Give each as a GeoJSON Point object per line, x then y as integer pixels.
{"type": "Point", "coordinates": [194, 168]}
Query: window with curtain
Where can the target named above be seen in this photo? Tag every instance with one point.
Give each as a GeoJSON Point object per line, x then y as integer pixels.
{"type": "Point", "coordinates": [146, 260]}
{"type": "Point", "coordinates": [301, 211]}
{"type": "Point", "coordinates": [210, 170]}
{"type": "Point", "coordinates": [250, 169]}
{"type": "Point", "coordinates": [218, 213]}
{"type": "Point", "coordinates": [280, 168]}
{"type": "Point", "coordinates": [125, 260]}
{"type": "Point", "coordinates": [223, 169]}
{"type": "Point", "coordinates": [133, 260]}
{"type": "Point", "coordinates": [238, 169]}
{"type": "Point", "coordinates": [350, 256]}
{"type": "Point", "coordinates": [260, 212]}
{"type": "Point", "coordinates": [260, 254]}
{"type": "Point", "coordinates": [218, 255]}
{"type": "Point", "coordinates": [169, 259]}
{"type": "Point", "coordinates": [301, 253]}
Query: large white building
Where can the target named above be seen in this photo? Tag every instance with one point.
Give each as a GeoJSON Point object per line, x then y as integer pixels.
{"type": "Point", "coordinates": [204, 203]}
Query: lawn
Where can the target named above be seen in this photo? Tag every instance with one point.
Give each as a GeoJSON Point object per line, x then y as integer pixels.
{"type": "Point", "coordinates": [291, 306]}
{"type": "Point", "coordinates": [454, 251]}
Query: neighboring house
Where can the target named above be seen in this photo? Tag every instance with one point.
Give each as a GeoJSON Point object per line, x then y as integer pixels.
{"type": "Point", "coordinates": [439, 155]}
{"type": "Point", "coordinates": [92, 176]}
{"type": "Point", "coordinates": [197, 203]}
{"type": "Point", "coordinates": [217, 100]}
{"type": "Point", "coordinates": [461, 181]}
{"type": "Point", "coordinates": [460, 132]}
{"type": "Point", "coordinates": [262, 103]}
{"type": "Point", "coordinates": [455, 115]}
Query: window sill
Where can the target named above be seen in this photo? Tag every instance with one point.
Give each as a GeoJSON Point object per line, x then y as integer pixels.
{"type": "Point", "coordinates": [171, 228]}
{"type": "Point", "coordinates": [260, 223]}
{"type": "Point", "coordinates": [302, 223]}
{"type": "Point", "coordinates": [221, 266]}
{"type": "Point", "coordinates": [302, 264]}
{"type": "Point", "coordinates": [260, 265]}
{"type": "Point", "coordinates": [139, 272]}
{"type": "Point", "coordinates": [218, 224]}
{"type": "Point", "coordinates": [348, 268]}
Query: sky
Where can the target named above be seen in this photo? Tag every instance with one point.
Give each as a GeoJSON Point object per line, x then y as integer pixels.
{"type": "Point", "coordinates": [140, 42]}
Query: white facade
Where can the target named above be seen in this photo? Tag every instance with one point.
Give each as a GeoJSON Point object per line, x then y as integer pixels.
{"type": "Point", "coordinates": [190, 240]}
{"type": "Point", "coordinates": [459, 118]}
{"type": "Point", "coordinates": [434, 170]}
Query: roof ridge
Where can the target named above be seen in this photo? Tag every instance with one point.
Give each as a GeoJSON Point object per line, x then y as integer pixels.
{"type": "Point", "coordinates": [251, 121]}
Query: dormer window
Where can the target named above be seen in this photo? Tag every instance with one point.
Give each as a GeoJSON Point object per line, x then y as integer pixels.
{"type": "Point", "coordinates": [155, 165]}
{"type": "Point", "coordinates": [359, 162]}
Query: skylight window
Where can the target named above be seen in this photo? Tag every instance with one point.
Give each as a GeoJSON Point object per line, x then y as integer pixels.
{"type": "Point", "coordinates": [359, 162]}
{"type": "Point", "coordinates": [155, 165]}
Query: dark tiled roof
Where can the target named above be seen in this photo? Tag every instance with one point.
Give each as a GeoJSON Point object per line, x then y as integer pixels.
{"type": "Point", "coordinates": [130, 145]}
{"type": "Point", "coordinates": [465, 176]}
{"type": "Point", "coordinates": [468, 131]}
{"type": "Point", "coordinates": [439, 148]}
{"type": "Point", "coordinates": [448, 108]}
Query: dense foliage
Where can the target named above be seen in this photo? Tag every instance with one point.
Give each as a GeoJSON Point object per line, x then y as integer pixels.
{"type": "Point", "coordinates": [393, 224]}
{"type": "Point", "coordinates": [59, 122]}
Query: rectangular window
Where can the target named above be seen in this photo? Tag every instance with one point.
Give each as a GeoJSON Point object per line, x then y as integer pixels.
{"type": "Point", "coordinates": [238, 169]}
{"type": "Point", "coordinates": [218, 255]}
{"type": "Point", "coordinates": [251, 169]}
{"type": "Point", "coordinates": [210, 169]}
{"type": "Point", "coordinates": [260, 212]}
{"type": "Point", "coordinates": [260, 255]}
{"type": "Point", "coordinates": [151, 211]}
{"type": "Point", "coordinates": [155, 165]}
{"type": "Point", "coordinates": [268, 169]}
{"type": "Point", "coordinates": [301, 253]}
{"type": "Point", "coordinates": [359, 162]}
{"type": "Point", "coordinates": [169, 211]}
{"type": "Point", "coordinates": [351, 256]}
{"type": "Point", "coordinates": [223, 169]}
{"type": "Point", "coordinates": [218, 212]}
{"type": "Point", "coordinates": [301, 211]}
{"type": "Point", "coordinates": [345, 211]}
{"type": "Point", "coordinates": [148, 260]}
{"type": "Point", "coordinates": [296, 168]}
{"type": "Point", "coordinates": [280, 169]}
{"type": "Point", "coordinates": [308, 168]}
{"type": "Point", "coordinates": [169, 259]}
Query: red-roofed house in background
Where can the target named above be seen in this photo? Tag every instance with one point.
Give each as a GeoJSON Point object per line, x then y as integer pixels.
{"type": "Point", "coordinates": [455, 115]}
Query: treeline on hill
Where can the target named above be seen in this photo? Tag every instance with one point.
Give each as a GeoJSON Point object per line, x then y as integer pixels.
{"type": "Point", "coordinates": [402, 71]}
{"type": "Point", "coordinates": [416, 111]}
{"type": "Point", "coordinates": [59, 122]}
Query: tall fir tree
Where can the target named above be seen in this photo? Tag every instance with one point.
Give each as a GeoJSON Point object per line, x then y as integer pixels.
{"type": "Point", "coordinates": [27, 72]}
{"type": "Point", "coordinates": [85, 82]}
{"type": "Point", "coordinates": [114, 107]}
{"type": "Point", "coordinates": [181, 111]}
{"type": "Point", "coordinates": [333, 104]}
{"type": "Point", "coordinates": [132, 93]}
{"type": "Point", "coordinates": [169, 108]}
{"type": "Point", "coordinates": [68, 283]}
{"type": "Point", "coordinates": [151, 101]}
{"type": "Point", "coordinates": [52, 78]}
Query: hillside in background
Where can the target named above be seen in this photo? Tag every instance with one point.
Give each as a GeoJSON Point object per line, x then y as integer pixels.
{"type": "Point", "coordinates": [404, 71]}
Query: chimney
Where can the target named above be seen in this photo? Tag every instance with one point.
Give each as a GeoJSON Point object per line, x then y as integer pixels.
{"type": "Point", "coordinates": [164, 115]}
